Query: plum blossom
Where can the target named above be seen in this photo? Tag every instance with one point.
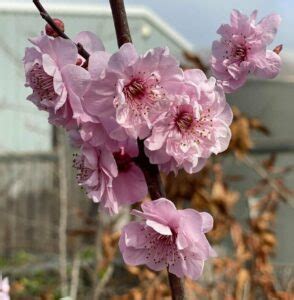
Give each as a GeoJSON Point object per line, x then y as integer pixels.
{"type": "Point", "coordinates": [242, 50]}
{"type": "Point", "coordinates": [95, 134]}
{"type": "Point", "coordinates": [111, 179]}
{"type": "Point", "coordinates": [134, 89]}
{"type": "Point", "coordinates": [195, 125]}
{"type": "Point", "coordinates": [57, 82]}
{"type": "Point", "coordinates": [102, 129]}
{"type": "Point", "coordinates": [4, 288]}
{"type": "Point", "coordinates": [168, 237]}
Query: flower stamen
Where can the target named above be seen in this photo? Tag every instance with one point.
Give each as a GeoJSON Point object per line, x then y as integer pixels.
{"type": "Point", "coordinates": [135, 90]}
{"type": "Point", "coordinates": [42, 83]}
{"type": "Point", "coordinates": [184, 121]}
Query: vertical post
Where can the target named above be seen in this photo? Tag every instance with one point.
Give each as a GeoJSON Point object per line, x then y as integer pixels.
{"type": "Point", "coordinates": [151, 172]}
{"type": "Point", "coordinates": [63, 198]}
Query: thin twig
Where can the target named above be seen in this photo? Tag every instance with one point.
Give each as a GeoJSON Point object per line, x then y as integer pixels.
{"type": "Point", "coordinates": [250, 162]}
{"type": "Point", "coordinates": [75, 274]}
{"type": "Point", "coordinates": [45, 15]}
{"type": "Point", "coordinates": [98, 253]}
{"type": "Point", "coordinates": [150, 171]}
{"type": "Point", "coordinates": [104, 280]}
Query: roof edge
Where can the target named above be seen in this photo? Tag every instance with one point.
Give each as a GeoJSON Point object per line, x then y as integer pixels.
{"type": "Point", "coordinates": [97, 9]}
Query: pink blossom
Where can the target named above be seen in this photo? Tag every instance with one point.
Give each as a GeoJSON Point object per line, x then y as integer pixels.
{"type": "Point", "coordinates": [96, 135]}
{"type": "Point", "coordinates": [168, 237]}
{"type": "Point", "coordinates": [112, 179]}
{"type": "Point", "coordinates": [195, 125]}
{"type": "Point", "coordinates": [101, 130]}
{"type": "Point", "coordinates": [134, 88]}
{"type": "Point", "coordinates": [57, 82]}
{"type": "Point", "coordinates": [242, 50]}
{"type": "Point", "coordinates": [4, 288]}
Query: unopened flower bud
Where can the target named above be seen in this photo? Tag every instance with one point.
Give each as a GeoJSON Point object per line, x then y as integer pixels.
{"type": "Point", "coordinates": [79, 61]}
{"type": "Point", "coordinates": [50, 31]}
{"type": "Point", "coordinates": [278, 49]}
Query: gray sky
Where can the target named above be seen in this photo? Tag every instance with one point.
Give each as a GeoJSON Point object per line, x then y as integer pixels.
{"type": "Point", "coordinates": [197, 20]}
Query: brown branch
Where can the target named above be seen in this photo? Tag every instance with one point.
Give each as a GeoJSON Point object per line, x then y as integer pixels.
{"type": "Point", "coordinates": [176, 286]}
{"type": "Point", "coordinates": [45, 15]}
{"type": "Point", "coordinates": [151, 172]}
{"type": "Point", "coordinates": [120, 22]}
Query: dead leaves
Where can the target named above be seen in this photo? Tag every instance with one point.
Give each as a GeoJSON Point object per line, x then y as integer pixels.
{"type": "Point", "coordinates": [242, 128]}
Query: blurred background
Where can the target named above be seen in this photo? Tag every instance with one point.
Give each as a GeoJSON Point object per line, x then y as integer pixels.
{"type": "Point", "coordinates": [52, 240]}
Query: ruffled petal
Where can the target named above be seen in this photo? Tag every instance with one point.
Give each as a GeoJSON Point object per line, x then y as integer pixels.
{"type": "Point", "coordinates": [90, 41]}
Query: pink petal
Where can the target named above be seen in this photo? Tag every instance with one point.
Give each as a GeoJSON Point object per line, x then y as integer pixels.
{"type": "Point", "coordinates": [108, 163]}
{"type": "Point", "coordinates": [207, 222]}
{"type": "Point", "coordinates": [158, 227]}
{"type": "Point", "coordinates": [124, 57]}
{"type": "Point", "coordinates": [65, 52]}
{"type": "Point", "coordinates": [236, 18]}
{"type": "Point", "coordinates": [269, 26]}
{"type": "Point", "coordinates": [191, 223]}
{"type": "Point", "coordinates": [162, 211]}
{"type": "Point", "coordinates": [193, 268]}
{"type": "Point", "coordinates": [77, 80]}
{"type": "Point", "coordinates": [97, 63]}
{"type": "Point", "coordinates": [268, 67]}
{"type": "Point", "coordinates": [157, 138]}
{"type": "Point", "coordinates": [91, 156]}
{"type": "Point", "coordinates": [195, 75]}
{"type": "Point", "coordinates": [49, 64]}
{"type": "Point", "coordinates": [131, 244]}
{"type": "Point", "coordinates": [177, 267]}
{"type": "Point", "coordinates": [130, 186]}
{"type": "Point", "coordinates": [98, 98]}
{"type": "Point", "coordinates": [89, 41]}
{"type": "Point", "coordinates": [161, 207]}
{"type": "Point", "coordinates": [133, 235]}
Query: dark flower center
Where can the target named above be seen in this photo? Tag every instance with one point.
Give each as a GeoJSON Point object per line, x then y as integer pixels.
{"type": "Point", "coordinates": [161, 248]}
{"type": "Point", "coordinates": [184, 121]}
{"type": "Point", "coordinates": [123, 161]}
{"type": "Point", "coordinates": [135, 90]}
{"type": "Point", "coordinates": [240, 53]}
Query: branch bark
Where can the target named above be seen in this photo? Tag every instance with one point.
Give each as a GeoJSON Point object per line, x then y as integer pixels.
{"type": "Point", "coordinates": [151, 172]}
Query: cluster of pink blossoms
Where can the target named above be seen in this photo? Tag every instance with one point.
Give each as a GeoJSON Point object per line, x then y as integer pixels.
{"type": "Point", "coordinates": [109, 101]}
{"type": "Point", "coordinates": [242, 50]}
{"type": "Point", "coordinates": [183, 116]}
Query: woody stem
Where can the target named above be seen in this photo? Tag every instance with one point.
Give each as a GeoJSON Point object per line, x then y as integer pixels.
{"type": "Point", "coordinates": [151, 172]}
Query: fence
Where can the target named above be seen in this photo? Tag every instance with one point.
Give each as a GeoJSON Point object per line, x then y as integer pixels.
{"type": "Point", "coordinates": [29, 202]}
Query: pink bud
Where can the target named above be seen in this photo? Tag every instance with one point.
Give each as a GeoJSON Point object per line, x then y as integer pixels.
{"type": "Point", "coordinates": [50, 31]}
{"type": "Point", "coordinates": [79, 61]}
